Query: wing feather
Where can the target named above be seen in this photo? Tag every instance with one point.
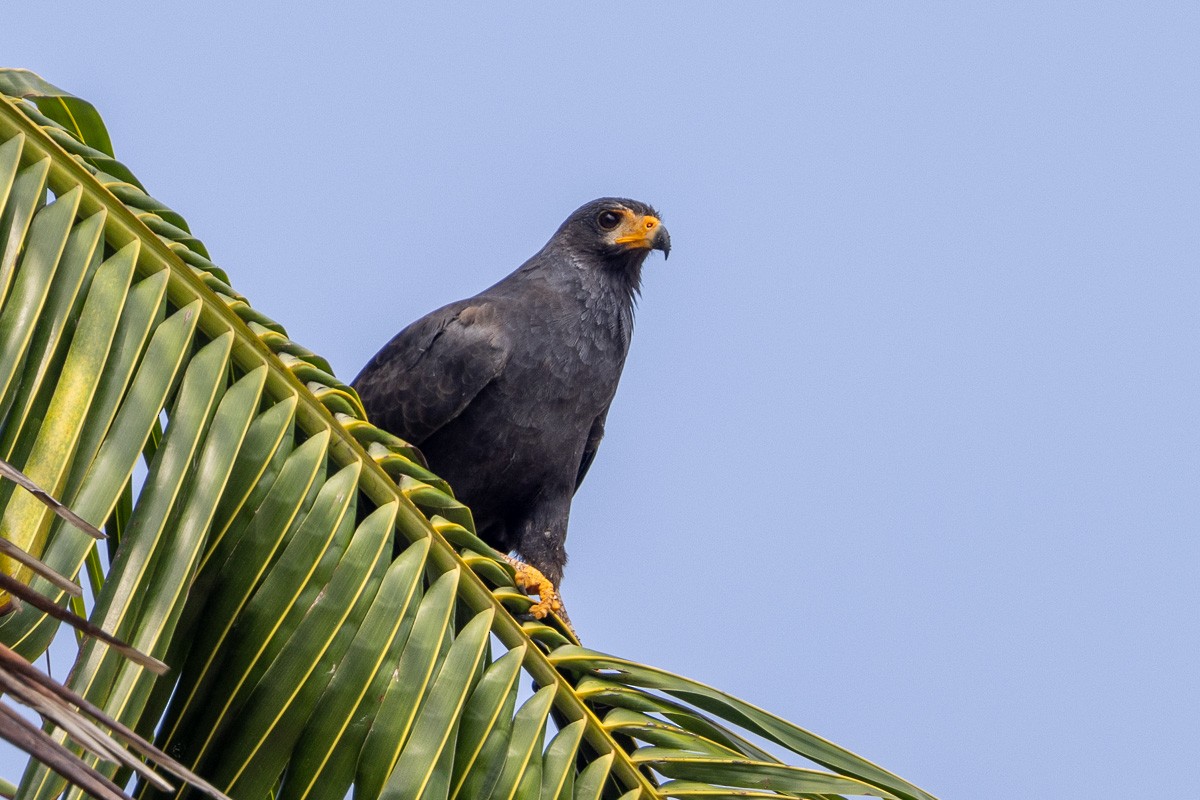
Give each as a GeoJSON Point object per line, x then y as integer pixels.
{"type": "Point", "coordinates": [437, 366]}
{"type": "Point", "coordinates": [590, 447]}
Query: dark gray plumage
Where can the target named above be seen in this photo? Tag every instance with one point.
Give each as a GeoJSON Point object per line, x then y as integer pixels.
{"type": "Point", "coordinates": [506, 392]}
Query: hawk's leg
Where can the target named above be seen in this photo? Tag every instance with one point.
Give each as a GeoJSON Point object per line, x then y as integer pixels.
{"type": "Point", "coordinates": [531, 581]}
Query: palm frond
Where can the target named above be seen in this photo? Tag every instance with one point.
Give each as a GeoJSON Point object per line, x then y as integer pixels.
{"type": "Point", "coordinates": [58, 705]}
{"type": "Point", "coordinates": [330, 617]}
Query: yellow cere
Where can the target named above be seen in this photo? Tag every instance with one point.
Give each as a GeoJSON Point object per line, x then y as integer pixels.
{"type": "Point", "coordinates": [638, 230]}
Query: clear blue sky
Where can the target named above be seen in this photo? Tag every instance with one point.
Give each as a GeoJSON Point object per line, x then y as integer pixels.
{"type": "Point", "coordinates": [908, 445]}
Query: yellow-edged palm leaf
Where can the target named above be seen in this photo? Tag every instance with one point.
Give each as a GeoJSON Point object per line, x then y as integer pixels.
{"type": "Point", "coordinates": [330, 619]}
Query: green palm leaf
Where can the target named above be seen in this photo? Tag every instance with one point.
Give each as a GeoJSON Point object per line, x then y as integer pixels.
{"type": "Point", "coordinates": [331, 619]}
{"type": "Point", "coordinates": [82, 720]}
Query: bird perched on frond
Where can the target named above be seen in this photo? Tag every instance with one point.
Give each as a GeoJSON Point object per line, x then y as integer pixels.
{"type": "Point", "coordinates": [505, 393]}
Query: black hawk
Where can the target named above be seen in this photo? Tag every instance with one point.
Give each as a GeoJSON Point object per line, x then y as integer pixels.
{"type": "Point", "coordinates": [505, 393]}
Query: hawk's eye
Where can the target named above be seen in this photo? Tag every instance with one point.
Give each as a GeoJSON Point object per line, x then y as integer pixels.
{"type": "Point", "coordinates": [608, 219]}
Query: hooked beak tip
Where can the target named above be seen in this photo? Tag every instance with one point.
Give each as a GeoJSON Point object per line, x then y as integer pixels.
{"type": "Point", "coordinates": [662, 241]}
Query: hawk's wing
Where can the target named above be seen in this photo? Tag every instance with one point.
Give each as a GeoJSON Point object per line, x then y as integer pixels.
{"type": "Point", "coordinates": [589, 449]}
{"type": "Point", "coordinates": [432, 370]}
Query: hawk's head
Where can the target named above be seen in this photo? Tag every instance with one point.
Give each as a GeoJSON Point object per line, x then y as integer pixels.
{"type": "Point", "coordinates": [617, 229]}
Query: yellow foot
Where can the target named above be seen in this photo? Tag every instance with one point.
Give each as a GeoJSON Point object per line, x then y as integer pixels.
{"type": "Point", "coordinates": [531, 581]}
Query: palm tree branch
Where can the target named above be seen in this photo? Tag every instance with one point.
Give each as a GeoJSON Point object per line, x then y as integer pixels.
{"type": "Point", "coordinates": [245, 356]}
{"type": "Point", "coordinates": [183, 286]}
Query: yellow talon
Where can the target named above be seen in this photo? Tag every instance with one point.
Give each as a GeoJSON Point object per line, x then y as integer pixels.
{"type": "Point", "coordinates": [531, 581]}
